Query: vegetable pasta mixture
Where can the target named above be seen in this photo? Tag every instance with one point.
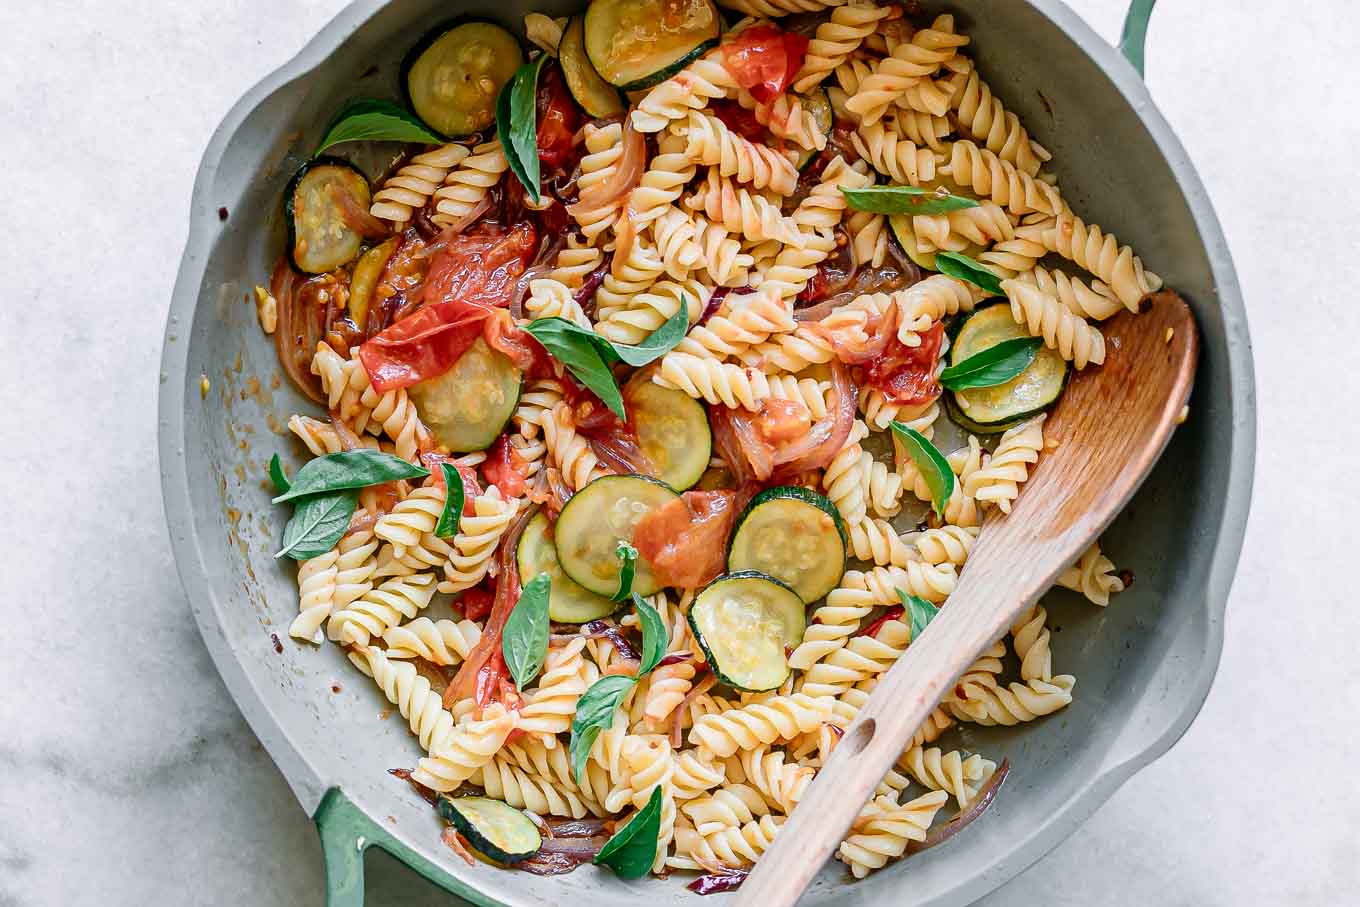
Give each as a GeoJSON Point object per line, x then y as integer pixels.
{"type": "Point", "coordinates": [635, 379]}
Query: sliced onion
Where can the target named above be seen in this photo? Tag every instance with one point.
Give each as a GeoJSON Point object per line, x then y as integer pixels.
{"type": "Point", "coordinates": [965, 817]}
{"type": "Point", "coordinates": [455, 843]}
{"type": "Point", "coordinates": [627, 173]}
{"type": "Point", "coordinates": [715, 882]}
{"type": "Point", "coordinates": [292, 342]}
{"type": "Point", "coordinates": [599, 629]}
{"type": "Point", "coordinates": [827, 436]}
{"type": "Point", "coordinates": [580, 828]}
{"type": "Point", "coordinates": [355, 215]}
{"type": "Point", "coordinates": [586, 848]}
{"type": "Point", "coordinates": [678, 715]}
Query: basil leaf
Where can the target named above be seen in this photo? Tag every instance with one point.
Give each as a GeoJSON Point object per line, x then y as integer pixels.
{"type": "Point", "coordinates": [653, 635]}
{"type": "Point", "coordinates": [568, 344]}
{"type": "Point", "coordinates": [565, 331]}
{"type": "Point", "coordinates": [932, 464]}
{"type": "Point", "coordinates": [375, 121]}
{"type": "Point", "coordinates": [349, 469]}
{"type": "Point", "coordinates": [922, 613]}
{"type": "Point", "coordinates": [454, 495]}
{"type": "Point", "coordinates": [994, 365]}
{"type": "Point", "coordinates": [905, 200]}
{"type": "Point", "coordinates": [276, 475]}
{"type": "Point", "coordinates": [632, 850]}
{"type": "Point", "coordinates": [658, 342]}
{"type": "Point", "coordinates": [960, 266]}
{"type": "Point", "coordinates": [595, 712]}
{"type": "Point", "coordinates": [517, 127]}
{"type": "Point", "coordinates": [318, 523]}
{"type": "Point", "coordinates": [628, 554]}
{"type": "Point", "coordinates": [524, 642]}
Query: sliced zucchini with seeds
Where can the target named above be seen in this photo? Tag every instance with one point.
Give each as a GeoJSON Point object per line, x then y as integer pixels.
{"type": "Point", "coordinates": [319, 238]}
{"type": "Point", "coordinates": [634, 44]}
{"type": "Point", "coordinates": [494, 829]}
{"type": "Point", "coordinates": [593, 523]}
{"type": "Point", "coordinates": [467, 406]}
{"type": "Point", "coordinates": [819, 104]}
{"type": "Point", "coordinates": [794, 535]}
{"type": "Point", "coordinates": [986, 410]}
{"type": "Point", "coordinates": [672, 428]}
{"type": "Point", "coordinates": [568, 601]}
{"type": "Point", "coordinates": [596, 96]}
{"type": "Point", "coordinates": [746, 622]}
{"type": "Point", "coordinates": [452, 77]}
{"type": "Point", "coordinates": [364, 281]}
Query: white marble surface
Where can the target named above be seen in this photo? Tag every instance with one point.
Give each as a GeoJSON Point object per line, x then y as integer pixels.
{"type": "Point", "coordinates": [130, 778]}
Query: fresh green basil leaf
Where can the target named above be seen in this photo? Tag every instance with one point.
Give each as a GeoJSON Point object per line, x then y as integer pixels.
{"type": "Point", "coordinates": [276, 475]}
{"type": "Point", "coordinates": [565, 331]}
{"type": "Point", "coordinates": [632, 850]}
{"type": "Point", "coordinates": [932, 464]}
{"type": "Point", "coordinates": [524, 642]}
{"type": "Point", "coordinates": [994, 365]}
{"type": "Point", "coordinates": [920, 613]}
{"type": "Point", "coordinates": [318, 523]}
{"type": "Point", "coordinates": [627, 554]}
{"type": "Point", "coordinates": [653, 635]}
{"type": "Point", "coordinates": [524, 122]}
{"type": "Point", "coordinates": [503, 131]}
{"type": "Point", "coordinates": [349, 469]}
{"type": "Point", "coordinates": [960, 266]}
{"type": "Point", "coordinates": [375, 121]}
{"type": "Point", "coordinates": [582, 358]}
{"type": "Point", "coordinates": [454, 495]}
{"type": "Point", "coordinates": [658, 342]}
{"type": "Point", "coordinates": [595, 712]}
{"type": "Point", "coordinates": [905, 200]}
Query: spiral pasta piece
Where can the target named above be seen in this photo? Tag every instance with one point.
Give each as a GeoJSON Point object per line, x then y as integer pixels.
{"type": "Point", "coordinates": [1090, 247]}
{"type": "Point", "coordinates": [957, 775]}
{"type": "Point", "coordinates": [946, 544]}
{"type": "Point", "coordinates": [868, 237]}
{"type": "Point", "coordinates": [717, 383]}
{"type": "Point", "coordinates": [894, 156]}
{"type": "Point", "coordinates": [772, 9]}
{"type": "Point", "coordinates": [777, 718]}
{"type": "Point", "coordinates": [834, 622]}
{"type": "Point", "coordinates": [410, 692]}
{"type": "Point", "coordinates": [412, 185]}
{"type": "Point", "coordinates": [1030, 637]}
{"type": "Point", "coordinates": [651, 308]}
{"type": "Point", "coordinates": [906, 74]}
{"type": "Point", "coordinates": [876, 541]}
{"type": "Point", "coordinates": [742, 322]}
{"type": "Point", "coordinates": [544, 32]}
{"type": "Point", "coordinates": [956, 231]}
{"type": "Point", "coordinates": [933, 582]}
{"type": "Point", "coordinates": [781, 783]}
{"type": "Point", "coordinates": [732, 847]}
{"type": "Point", "coordinates": [708, 141]}
{"type": "Point", "coordinates": [441, 642]}
{"type": "Point", "coordinates": [1013, 257]}
{"type": "Point", "coordinates": [786, 118]}
{"type": "Point", "coordinates": [603, 149]}
{"type": "Point", "coordinates": [839, 37]}
{"type": "Point", "coordinates": [352, 397]}
{"type": "Point", "coordinates": [692, 88]}
{"type": "Point", "coordinates": [740, 210]}
{"type": "Point", "coordinates": [412, 517]}
{"type": "Point", "coordinates": [539, 396]}
{"type": "Point", "coordinates": [729, 807]}
{"type": "Point", "coordinates": [884, 829]}
{"type": "Point", "coordinates": [670, 685]}
{"type": "Point", "coordinates": [379, 609]}
{"type": "Point", "coordinates": [845, 478]}
{"type": "Point", "coordinates": [548, 710]}
{"type": "Point", "coordinates": [575, 263]}
{"type": "Point", "coordinates": [862, 657]}
{"type": "Point", "coordinates": [695, 774]}
{"type": "Point", "coordinates": [467, 184]}
{"type": "Point", "coordinates": [984, 119]}
{"type": "Point", "coordinates": [628, 276]}
{"type": "Point", "coordinates": [1093, 576]}
{"type": "Point", "coordinates": [992, 177]}
{"type": "Point", "coordinates": [1020, 702]}
{"type": "Point", "coordinates": [927, 301]}
{"type": "Point", "coordinates": [883, 488]}
{"type": "Point", "coordinates": [998, 481]}
{"type": "Point", "coordinates": [320, 437]}
{"type": "Point", "coordinates": [1093, 300]}
{"type": "Point", "coordinates": [470, 745]}
{"type": "Point", "coordinates": [568, 451]}
{"type": "Point", "coordinates": [1063, 331]}
{"type": "Point", "coordinates": [550, 299]}
{"type": "Point", "coordinates": [316, 595]}
{"type": "Point", "coordinates": [478, 535]}
{"type": "Point", "coordinates": [665, 178]}
{"type": "Point", "coordinates": [503, 780]}
{"type": "Point", "coordinates": [674, 233]}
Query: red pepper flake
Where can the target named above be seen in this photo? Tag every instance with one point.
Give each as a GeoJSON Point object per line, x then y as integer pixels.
{"type": "Point", "coordinates": [278, 644]}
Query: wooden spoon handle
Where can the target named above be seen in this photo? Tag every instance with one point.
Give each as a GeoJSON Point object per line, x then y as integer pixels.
{"type": "Point", "coordinates": [1103, 437]}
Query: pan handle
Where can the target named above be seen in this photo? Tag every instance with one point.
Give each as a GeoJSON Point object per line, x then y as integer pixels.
{"type": "Point", "coordinates": [1134, 34]}
{"type": "Point", "coordinates": [346, 832]}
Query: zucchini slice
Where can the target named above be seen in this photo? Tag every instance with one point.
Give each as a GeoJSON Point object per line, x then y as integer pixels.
{"type": "Point", "coordinates": [453, 76]}
{"type": "Point", "coordinates": [596, 96]}
{"type": "Point", "coordinates": [367, 272]}
{"type": "Point", "coordinates": [745, 622]}
{"type": "Point", "coordinates": [986, 410]}
{"type": "Point", "coordinates": [319, 238]}
{"type": "Point", "coordinates": [634, 44]}
{"type": "Point", "coordinates": [793, 535]}
{"type": "Point", "coordinates": [568, 602]}
{"type": "Point", "coordinates": [906, 238]}
{"type": "Point", "coordinates": [494, 829]}
{"type": "Point", "coordinates": [819, 104]}
{"type": "Point", "coordinates": [468, 406]}
{"type": "Point", "coordinates": [672, 429]}
{"type": "Point", "coordinates": [593, 523]}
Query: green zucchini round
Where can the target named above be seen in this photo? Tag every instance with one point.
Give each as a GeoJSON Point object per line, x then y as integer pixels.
{"type": "Point", "coordinates": [746, 622]}
{"type": "Point", "coordinates": [468, 406]}
{"type": "Point", "coordinates": [593, 523]}
{"type": "Point", "coordinates": [453, 75]}
{"type": "Point", "coordinates": [794, 535]}
{"type": "Point", "coordinates": [672, 429]}
{"type": "Point", "coordinates": [987, 410]}
{"type": "Point", "coordinates": [494, 829]}
{"type": "Point", "coordinates": [319, 238]}
{"type": "Point", "coordinates": [635, 44]}
{"type": "Point", "coordinates": [596, 96]}
{"type": "Point", "coordinates": [568, 601]}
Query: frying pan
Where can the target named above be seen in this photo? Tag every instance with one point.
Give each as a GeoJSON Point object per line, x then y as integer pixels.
{"type": "Point", "coordinates": [1144, 665]}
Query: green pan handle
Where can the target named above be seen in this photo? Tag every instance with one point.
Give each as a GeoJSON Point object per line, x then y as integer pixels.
{"type": "Point", "coordinates": [1134, 34]}
{"type": "Point", "coordinates": [346, 832]}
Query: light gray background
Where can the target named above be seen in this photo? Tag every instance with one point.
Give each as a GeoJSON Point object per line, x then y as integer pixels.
{"type": "Point", "coordinates": [127, 775]}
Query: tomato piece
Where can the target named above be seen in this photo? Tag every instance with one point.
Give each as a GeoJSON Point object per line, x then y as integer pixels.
{"type": "Point", "coordinates": [475, 603]}
{"type": "Point", "coordinates": [471, 487]}
{"type": "Point", "coordinates": [685, 540]}
{"type": "Point", "coordinates": [780, 421]}
{"type": "Point", "coordinates": [506, 469]}
{"type": "Point", "coordinates": [893, 613]}
{"type": "Point", "coordinates": [738, 119]}
{"type": "Point", "coordinates": [906, 374]}
{"type": "Point", "coordinates": [764, 59]}
{"type": "Point", "coordinates": [558, 119]}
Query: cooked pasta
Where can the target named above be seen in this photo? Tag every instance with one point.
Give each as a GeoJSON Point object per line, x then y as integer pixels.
{"type": "Point", "coordinates": [752, 461]}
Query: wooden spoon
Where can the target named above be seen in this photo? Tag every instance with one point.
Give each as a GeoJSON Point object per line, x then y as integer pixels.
{"type": "Point", "coordinates": [1101, 441]}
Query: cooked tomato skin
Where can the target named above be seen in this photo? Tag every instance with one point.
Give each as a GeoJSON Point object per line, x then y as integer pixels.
{"type": "Point", "coordinates": [906, 374]}
{"type": "Point", "coordinates": [685, 540]}
{"type": "Point", "coordinates": [764, 59]}
{"type": "Point", "coordinates": [506, 469]}
{"type": "Point", "coordinates": [558, 118]}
